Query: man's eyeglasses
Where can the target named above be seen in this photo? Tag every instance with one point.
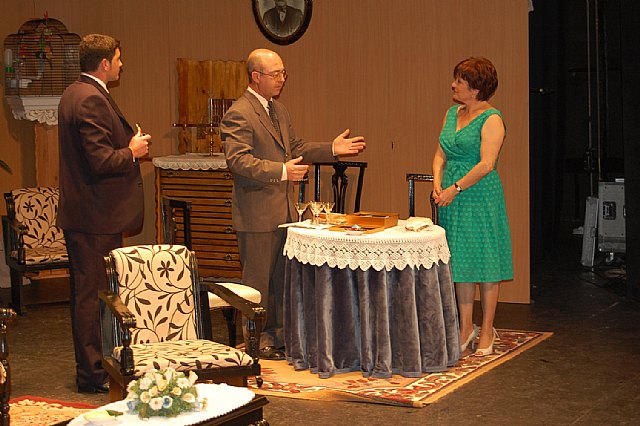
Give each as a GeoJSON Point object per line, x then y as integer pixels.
{"type": "Point", "coordinates": [275, 74]}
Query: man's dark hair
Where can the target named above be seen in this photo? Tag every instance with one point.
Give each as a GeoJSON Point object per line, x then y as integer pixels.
{"type": "Point", "coordinates": [94, 48]}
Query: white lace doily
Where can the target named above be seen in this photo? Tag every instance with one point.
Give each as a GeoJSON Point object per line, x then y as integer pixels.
{"type": "Point", "coordinates": [392, 248]}
{"type": "Point", "coordinates": [191, 161]}
{"type": "Point", "coordinates": [221, 399]}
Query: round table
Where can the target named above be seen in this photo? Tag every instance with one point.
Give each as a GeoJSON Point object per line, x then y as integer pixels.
{"type": "Point", "coordinates": [382, 303]}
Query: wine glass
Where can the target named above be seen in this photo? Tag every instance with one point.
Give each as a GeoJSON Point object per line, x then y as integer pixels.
{"type": "Point", "coordinates": [300, 208]}
{"type": "Point", "coordinates": [327, 206]}
{"type": "Point", "coordinates": [316, 208]}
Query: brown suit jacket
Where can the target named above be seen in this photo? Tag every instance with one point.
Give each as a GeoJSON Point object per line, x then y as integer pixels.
{"type": "Point", "coordinates": [255, 154]}
{"type": "Point", "coordinates": [100, 184]}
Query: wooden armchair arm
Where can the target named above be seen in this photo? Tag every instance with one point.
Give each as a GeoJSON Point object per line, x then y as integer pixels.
{"type": "Point", "coordinates": [6, 315]}
{"type": "Point", "coordinates": [125, 322]}
{"type": "Point", "coordinates": [249, 309]}
{"type": "Point", "coordinates": [119, 310]}
{"type": "Point", "coordinates": [255, 314]}
{"type": "Point", "coordinates": [13, 234]}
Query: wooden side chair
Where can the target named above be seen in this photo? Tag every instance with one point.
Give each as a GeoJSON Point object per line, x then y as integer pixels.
{"type": "Point", "coordinates": [420, 177]}
{"type": "Point", "coordinates": [32, 241]}
{"type": "Point", "coordinates": [156, 315]}
{"type": "Point", "coordinates": [176, 228]}
{"type": "Point", "coordinates": [6, 315]}
{"type": "Point", "coordinates": [339, 183]}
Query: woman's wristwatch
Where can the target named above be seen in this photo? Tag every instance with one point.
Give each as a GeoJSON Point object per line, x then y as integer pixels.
{"type": "Point", "coordinates": [458, 188]}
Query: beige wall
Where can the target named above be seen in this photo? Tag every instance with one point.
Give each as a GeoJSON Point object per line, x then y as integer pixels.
{"type": "Point", "coordinates": [380, 68]}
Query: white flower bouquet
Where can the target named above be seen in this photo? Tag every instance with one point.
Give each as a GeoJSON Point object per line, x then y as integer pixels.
{"type": "Point", "coordinates": [165, 393]}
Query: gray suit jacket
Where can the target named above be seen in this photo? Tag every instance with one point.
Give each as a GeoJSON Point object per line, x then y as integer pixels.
{"type": "Point", "coordinates": [255, 154]}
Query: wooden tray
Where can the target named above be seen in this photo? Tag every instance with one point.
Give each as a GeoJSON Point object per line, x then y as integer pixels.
{"type": "Point", "coordinates": [373, 219]}
{"type": "Point", "coordinates": [366, 229]}
{"type": "Point", "coordinates": [336, 218]}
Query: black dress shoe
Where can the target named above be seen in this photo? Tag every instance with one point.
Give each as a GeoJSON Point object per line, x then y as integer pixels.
{"type": "Point", "coordinates": [272, 353]}
{"type": "Point", "coordinates": [94, 389]}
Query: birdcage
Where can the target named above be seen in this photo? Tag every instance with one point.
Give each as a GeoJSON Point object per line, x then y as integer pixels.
{"type": "Point", "coordinates": [41, 59]}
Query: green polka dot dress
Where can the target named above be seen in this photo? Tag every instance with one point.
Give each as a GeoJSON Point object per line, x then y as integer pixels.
{"type": "Point", "coordinates": [476, 221]}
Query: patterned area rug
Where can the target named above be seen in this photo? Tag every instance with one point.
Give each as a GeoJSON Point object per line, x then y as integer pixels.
{"type": "Point", "coordinates": [281, 380]}
{"type": "Point", "coordinates": [35, 411]}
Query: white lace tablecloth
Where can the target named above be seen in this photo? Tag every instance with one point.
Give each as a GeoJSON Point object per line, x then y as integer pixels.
{"type": "Point", "coordinates": [221, 399]}
{"type": "Point", "coordinates": [392, 248]}
{"type": "Point", "coordinates": [191, 161]}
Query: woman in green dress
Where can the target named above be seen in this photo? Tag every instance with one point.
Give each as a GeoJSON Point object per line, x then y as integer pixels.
{"type": "Point", "coordinates": [469, 194]}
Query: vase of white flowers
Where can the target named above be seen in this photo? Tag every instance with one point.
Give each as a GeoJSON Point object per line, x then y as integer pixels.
{"type": "Point", "coordinates": [164, 393]}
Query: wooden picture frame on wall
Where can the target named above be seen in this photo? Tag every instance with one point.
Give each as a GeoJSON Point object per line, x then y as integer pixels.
{"type": "Point", "coordinates": [282, 21]}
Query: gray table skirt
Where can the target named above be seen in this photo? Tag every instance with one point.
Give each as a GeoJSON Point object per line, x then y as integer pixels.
{"type": "Point", "coordinates": [381, 323]}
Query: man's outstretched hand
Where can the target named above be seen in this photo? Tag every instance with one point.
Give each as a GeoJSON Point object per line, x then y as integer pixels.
{"type": "Point", "coordinates": [344, 145]}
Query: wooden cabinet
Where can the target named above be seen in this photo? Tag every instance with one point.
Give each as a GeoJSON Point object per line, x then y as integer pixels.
{"type": "Point", "coordinates": [213, 237]}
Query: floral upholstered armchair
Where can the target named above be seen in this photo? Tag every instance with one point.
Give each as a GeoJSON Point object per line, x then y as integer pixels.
{"type": "Point", "coordinates": [172, 224]}
{"type": "Point", "coordinates": [156, 315]}
{"type": "Point", "coordinates": [32, 241]}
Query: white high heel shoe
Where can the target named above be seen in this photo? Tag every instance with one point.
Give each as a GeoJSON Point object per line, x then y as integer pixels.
{"type": "Point", "coordinates": [471, 340]}
{"type": "Point", "coordinates": [489, 350]}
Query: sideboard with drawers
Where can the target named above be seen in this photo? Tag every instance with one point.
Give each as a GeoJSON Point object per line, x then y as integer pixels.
{"type": "Point", "coordinates": [205, 182]}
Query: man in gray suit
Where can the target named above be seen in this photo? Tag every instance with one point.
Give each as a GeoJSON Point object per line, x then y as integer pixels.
{"type": "Point", "coordinates": [100, 193]}
{"type": "Point", "coordinates": [265, 158]}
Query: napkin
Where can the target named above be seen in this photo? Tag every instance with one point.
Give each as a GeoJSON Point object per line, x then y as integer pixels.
{"type": "Point", "coordinates": [417, 223]}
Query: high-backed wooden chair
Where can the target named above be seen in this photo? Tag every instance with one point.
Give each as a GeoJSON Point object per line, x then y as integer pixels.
{"type": "Point", "coordinates": [6, 315]}
{"type": "Point", "coordinates": [339, 183]}
{"type": "Point", "coordinates": [420, 177]}
{"type": "Point", "coordinates": [156, 315]}
{"type": "Point", "coordinates": [176, 228]}
{"type": "Point", "coordinates": [32, 241]}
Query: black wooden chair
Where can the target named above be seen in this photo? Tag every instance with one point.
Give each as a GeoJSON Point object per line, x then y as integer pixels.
{"type": "Point", "coordinates": [339, 183]}
{"type": "Point", "coordinates": [419, 177]}
{"type": "Point", "coordinates": [6, 315]}
{"type": "Point", "coordinates": [176, 227]}
{"type": "Point", "coordinates": [32, 241]}
{"type": "Point", "coordinates": [170, 225]}
{"type": "Point", "coordinates": [156, 315]}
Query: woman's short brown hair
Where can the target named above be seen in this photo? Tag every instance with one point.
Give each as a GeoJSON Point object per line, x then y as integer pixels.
{"type": "Point", "coordinates": [481, 75]}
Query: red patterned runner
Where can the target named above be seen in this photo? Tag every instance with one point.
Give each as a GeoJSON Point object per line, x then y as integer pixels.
{"type": "Point", "coordinates": [281, 380]}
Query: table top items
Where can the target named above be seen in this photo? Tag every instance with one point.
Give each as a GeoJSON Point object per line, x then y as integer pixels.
{"type": "Point", "coordinates": [164, 393]}
{"type": "Point", "coordinates": [418, 223]}
{"type": "Point", "coordinates": [221, 398]}
{"type": "Point", "coordinates": [375, 219]}
{"type": "Point", "coordinates": [394, 247]}
{"type": "Point", "coordinates": [306, 224]}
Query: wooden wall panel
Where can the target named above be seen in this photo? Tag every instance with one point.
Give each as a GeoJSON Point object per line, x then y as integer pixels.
{"type": "Point", "coordinates": [47, 153]}
{"type": "Point", "coordinates": [382, 69]}
{"type": "Point", "coordinates": [198, 82]}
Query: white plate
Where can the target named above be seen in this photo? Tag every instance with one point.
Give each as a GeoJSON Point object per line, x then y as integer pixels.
{"type": "Point", "coordinates": [353, 232]}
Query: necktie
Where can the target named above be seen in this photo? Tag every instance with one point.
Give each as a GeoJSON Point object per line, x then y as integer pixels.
{"type": "Point", "coordinates": [274, 118]}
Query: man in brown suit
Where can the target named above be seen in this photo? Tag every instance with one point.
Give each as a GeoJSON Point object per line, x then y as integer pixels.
{"type": "Point", "coordinates": [265, 157]}
{"type": "Point", "coordinates": [100, 193]}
